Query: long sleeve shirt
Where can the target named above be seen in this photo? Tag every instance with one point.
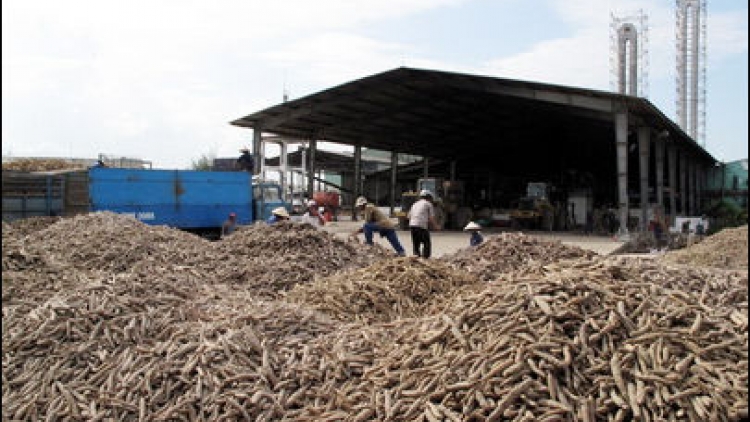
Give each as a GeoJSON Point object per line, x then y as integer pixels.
{"type": "Point", "coordinates": [374, 215]}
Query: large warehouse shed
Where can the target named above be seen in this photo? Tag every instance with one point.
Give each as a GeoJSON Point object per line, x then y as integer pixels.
{"type": "Point", "coordinates": [498, 134]}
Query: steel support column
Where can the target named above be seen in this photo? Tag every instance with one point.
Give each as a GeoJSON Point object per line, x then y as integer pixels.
{"type": "Point", "coordinates": [683, 184]}
{"type": "Point", "coordinates": [311, 168]}
{"type": "Point", "coordinates": [659, 158]}
{"type": "Point", "coordinates": [644, 145]}
{"type": "Point", "coordinates": [700, 179]}
{"type": "Point", "coordinates": [621, 139]}
{"type": "Point", "coordinates": [672, 164]}
{"type": "Point", "coordinates": [426, 167]}
{"type": "Point", "coordinates": [258, 152]}
{"type": "Point", "coordinates": [357, 179]}
{"type": "Point", "coordinates": [394, 173]}
{"type": "Point", "coordinates": [283, 163]}
{"type": "Point", "coordinates": [691, 185]}
{"type": "Point", "coordinates": [453, 170]}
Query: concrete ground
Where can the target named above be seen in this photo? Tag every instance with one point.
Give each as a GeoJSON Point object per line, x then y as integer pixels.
{"type": "Point", "coordinates": [449, 241]}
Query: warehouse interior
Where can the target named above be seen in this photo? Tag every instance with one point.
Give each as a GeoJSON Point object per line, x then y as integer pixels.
{"type": "Point", "coordinates": [496, 135]}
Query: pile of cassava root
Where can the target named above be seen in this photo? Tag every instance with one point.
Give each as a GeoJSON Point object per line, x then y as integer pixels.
{"type": "Point", "coordinates": [726, 249]}
{"type": "Point", "coordinates": [105, 318]}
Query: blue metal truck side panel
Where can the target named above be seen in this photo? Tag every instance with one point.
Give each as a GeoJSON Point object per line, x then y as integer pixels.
{"type": "Point", "coordinates": [176, 198]}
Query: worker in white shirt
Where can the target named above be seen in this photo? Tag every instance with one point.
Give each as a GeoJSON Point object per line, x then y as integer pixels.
{"type": "Point", "coordinates": [421, 220]}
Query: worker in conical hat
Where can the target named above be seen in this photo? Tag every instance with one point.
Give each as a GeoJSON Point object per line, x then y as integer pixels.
{"type": "Point", "coordinates": [278, 214]}
{"type": "Point", "coordinates": [476, 236]}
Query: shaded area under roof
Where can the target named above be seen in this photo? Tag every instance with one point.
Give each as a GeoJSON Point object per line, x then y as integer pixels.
{"type": "Point", "coordinates": [330, 161]}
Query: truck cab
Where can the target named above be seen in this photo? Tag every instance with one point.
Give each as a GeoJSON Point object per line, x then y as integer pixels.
{"type": "Point", "coordinates": [266, 197]}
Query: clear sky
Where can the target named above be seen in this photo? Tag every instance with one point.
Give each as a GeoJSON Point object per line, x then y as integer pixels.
{"type": "Point", "coordinates": [160, 80]}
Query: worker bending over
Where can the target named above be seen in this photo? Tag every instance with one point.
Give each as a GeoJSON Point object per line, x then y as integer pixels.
{"type": "Point", "coordinates": [376, 221]}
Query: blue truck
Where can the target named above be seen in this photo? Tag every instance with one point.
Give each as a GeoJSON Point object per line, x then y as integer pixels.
{"type": "Point", "coordinates": [192, 200]}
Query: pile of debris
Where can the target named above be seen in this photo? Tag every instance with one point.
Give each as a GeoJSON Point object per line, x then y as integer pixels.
{"type": "Point", "coordinates": [301, 241]}
{"type": "Point", "coordinates": [512, 251]}
{"type": "Point", "coordinates": [113, 242]}
{"type": "Point", "coordinates": [725, 249]}
{"type": "Point", "coordinates": [384, 291]}
{"type": "Point", "coordinates": [133, 348]}
{"type": "Point", "coordinates": [275, 258]}
{"type": "Point", "coordinates": [269, 259]}
{"type": "Point", "coordinates": [107, 318]}
{"type": "Point", "coordinates": [30, 273]}
{"type": "Point", "coordinates": [25, 226]}
{"type": "Point", "coordinates": [588, 346]}
{"type": "Point", "coordinates": [34, 164]}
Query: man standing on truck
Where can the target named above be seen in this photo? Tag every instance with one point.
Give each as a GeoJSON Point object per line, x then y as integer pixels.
{"type": "Point", "coordinates": [246, 161]}
{"type": "Point", "coordinates": [421, 220]}
{"type": "Point", "coordinates": [376, 221]}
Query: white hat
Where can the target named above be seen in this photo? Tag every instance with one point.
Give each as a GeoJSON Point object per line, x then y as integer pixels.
{"type": "Point", "coordinates": [281, 212]}
{"type": "Point", "coordinates": [425, 192]}
{"type": "Point", "coordinates": [472, 226]}
{"type": "Point", "coordinates": [312, 203]}
{"type": "Point", "coordinates": [361, 201]}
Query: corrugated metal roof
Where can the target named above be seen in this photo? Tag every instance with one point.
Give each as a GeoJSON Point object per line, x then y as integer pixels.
{"type": "Point", "coordinates": [452, 115]}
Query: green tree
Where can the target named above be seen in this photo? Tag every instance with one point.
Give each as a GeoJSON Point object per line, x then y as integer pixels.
{"type": "Point", "coordinates": [204, 162]}
{"type": "Point", "coordinates": [726, 213]}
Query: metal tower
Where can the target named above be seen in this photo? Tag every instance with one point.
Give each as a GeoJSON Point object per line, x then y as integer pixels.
{"type": "Point", "coordinates": [628, 58]}
{"type": "Point", "coordinates": [691, 68]}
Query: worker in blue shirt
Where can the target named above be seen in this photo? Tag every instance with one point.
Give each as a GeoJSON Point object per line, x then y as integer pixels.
{"type": "Point", "coordinates": [476, 237]}
{"type": "Point", "coordinates": [278, 214]}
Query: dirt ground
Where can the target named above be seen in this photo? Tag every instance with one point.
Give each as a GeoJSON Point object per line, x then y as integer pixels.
{"type": "Point", "coordinates": [448, 241]}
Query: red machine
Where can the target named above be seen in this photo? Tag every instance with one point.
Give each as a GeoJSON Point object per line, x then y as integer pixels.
{"type": "Point", "coordinates": [330, 201]}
